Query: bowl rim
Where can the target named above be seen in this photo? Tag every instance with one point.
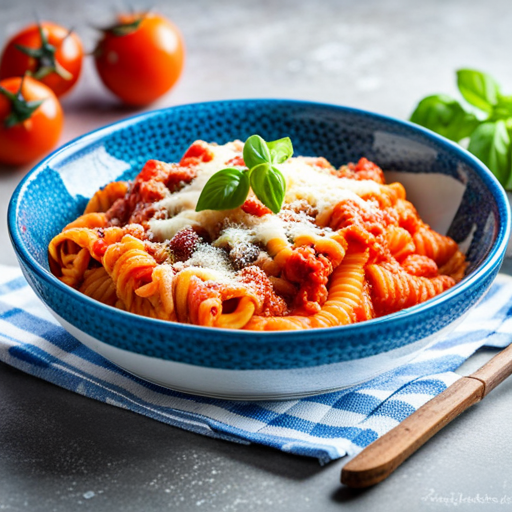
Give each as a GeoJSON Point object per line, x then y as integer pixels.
{"type": "Point", "coordinates": [492, 260]}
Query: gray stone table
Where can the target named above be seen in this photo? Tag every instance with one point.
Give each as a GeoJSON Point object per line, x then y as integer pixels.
{"type": "Point", "coordinates": [63, 452]}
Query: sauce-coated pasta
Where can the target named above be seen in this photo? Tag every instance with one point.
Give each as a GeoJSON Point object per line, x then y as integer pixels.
{"type": "Point", "coordinates": [345, 247]}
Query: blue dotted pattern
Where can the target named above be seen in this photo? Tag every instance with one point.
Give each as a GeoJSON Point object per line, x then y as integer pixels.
{"type": "Point", "coordinates": [43, 205]}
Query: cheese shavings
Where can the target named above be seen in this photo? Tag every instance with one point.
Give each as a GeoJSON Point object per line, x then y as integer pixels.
{"type": "Point", "coordinates": [312, 192]}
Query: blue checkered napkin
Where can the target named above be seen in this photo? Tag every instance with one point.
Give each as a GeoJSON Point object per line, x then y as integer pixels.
{"type": "Point", "coordinates": [326, 426]}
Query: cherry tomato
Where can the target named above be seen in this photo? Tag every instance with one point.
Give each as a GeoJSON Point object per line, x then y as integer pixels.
{"type": "Point", "coordinates": [49, 52]}
{"type": "Point", "coordinates": [30, 120]}
{"type": "Point", "coordinates": [141, 58]}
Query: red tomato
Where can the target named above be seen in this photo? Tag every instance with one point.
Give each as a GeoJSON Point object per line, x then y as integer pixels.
{"type": "Point", "coordinates": [27, 131]}
{"type": "Point", "coordinates": [140, 59]}
{"type": "Point", "coordinates": [56, 58]}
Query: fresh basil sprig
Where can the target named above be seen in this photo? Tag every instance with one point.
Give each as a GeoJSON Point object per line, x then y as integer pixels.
{"type": "Point", "coordinates": [229, 188]}
{"type": "Point", "coordinates": [486, 118]}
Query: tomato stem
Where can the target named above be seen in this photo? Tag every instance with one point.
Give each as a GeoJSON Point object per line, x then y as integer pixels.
{"type": "Point", "coordinates": [123, 29]}
{"type": "Point", "coordinates": [119, 30]}
{"type": "Point", "coordinates": [45, 57]}
{"type": "Point", "coordinates": [21, 109]}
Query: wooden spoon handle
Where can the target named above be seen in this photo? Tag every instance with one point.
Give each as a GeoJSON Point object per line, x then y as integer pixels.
{"type": "Point", "coordinates": [495, 371]}
{"type": "Point", "coordinates": [382, 457]}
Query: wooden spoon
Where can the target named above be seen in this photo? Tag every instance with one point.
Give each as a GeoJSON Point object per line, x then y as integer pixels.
{"type": "Point", "coordinates": [382, 457]}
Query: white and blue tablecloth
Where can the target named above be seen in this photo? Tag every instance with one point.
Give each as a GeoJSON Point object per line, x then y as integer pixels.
{"type": "Point", "coordinates": [326, 426]}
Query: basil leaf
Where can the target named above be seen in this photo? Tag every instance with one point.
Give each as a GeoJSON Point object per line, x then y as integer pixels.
{"type": "Point", "coordinates": [280, 150]}
{"type": "Point", "coordinates": [502, 109]}
{"type": "Point", "coordinates": [446, 116]}
{"type": "Point", "coordinates": [256, 151]}
{"type": "Point", "coordinates": [269, 185]}
{"type": "Point", "coordinates": [479, 89]}
{"type": "Point", "coordinates": [225, 190]}
{"type": "Point", "coordinates": [490, 142]}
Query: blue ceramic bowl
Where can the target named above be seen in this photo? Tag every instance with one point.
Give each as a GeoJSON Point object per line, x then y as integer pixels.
{"type": "Point", "coordinates": [454, 192]}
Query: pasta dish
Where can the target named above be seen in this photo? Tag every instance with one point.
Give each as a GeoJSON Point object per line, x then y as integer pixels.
{"type": "Point", "coordinates": [343, 247]}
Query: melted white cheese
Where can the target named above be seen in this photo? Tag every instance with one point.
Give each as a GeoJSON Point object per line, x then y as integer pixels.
{"type": "Point", "coordinates": [319, 188]}
{"type": "Point", "coordinates": [312, 184]}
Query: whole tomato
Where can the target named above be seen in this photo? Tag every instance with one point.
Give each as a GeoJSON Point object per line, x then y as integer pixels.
{"type": "Point", "coordinates": [50, 53]}
{"type": "Point", "coordinates": [141, 58]}
{"type": "Point", "coordinates": [30, 120]}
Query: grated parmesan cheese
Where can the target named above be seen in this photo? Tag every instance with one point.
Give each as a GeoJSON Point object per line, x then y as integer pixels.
{"type": "Point", "coordinates": [212, 258]}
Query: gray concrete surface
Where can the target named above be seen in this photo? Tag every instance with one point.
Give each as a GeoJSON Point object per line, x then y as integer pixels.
{"type": "Point", "coordinates": [63, 452]}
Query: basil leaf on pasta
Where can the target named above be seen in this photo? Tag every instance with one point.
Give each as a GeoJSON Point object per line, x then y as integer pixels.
{"type": "Point", "coordinates": [225, 190]}
{"type": "Point", "coordinates": [256, 151]}
{"type": "Point", "coordinates": [269, 185]}
{"type": "Point", "coordinates": [280, 150]}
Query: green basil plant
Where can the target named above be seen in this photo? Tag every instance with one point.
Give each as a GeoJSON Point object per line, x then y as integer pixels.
{"type": "Point", "coordinates": [486, 119]}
